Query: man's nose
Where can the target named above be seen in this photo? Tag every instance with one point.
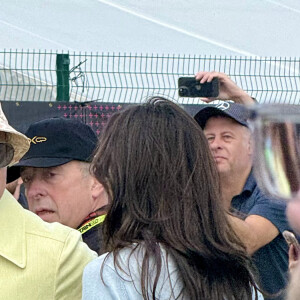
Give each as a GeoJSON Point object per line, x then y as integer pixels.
{"type": "Point", "coordinates": [35, 189]}
{"type": "Point", "coordinates": [215, 144]}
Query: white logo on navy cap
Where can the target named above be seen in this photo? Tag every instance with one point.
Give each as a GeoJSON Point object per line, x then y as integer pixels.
{"type": "Point", "coordinates": [223, 106]}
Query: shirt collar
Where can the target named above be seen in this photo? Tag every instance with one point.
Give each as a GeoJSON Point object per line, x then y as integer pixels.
{"type": "Point", "coordinates": [250, 184]}
{"type": "Point", "coordinates": [12, 224]}
{"type": "Point", "coordinates": [99, 212]}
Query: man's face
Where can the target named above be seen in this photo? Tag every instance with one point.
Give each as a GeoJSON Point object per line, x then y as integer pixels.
{"type": "Point", "coordinates": [230, 144]}
{"type": "Point", "coordinates": [59, 194]}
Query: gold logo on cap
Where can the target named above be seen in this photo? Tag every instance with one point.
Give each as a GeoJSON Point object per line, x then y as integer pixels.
{"type": "Point", "coordinates": [38, 139]}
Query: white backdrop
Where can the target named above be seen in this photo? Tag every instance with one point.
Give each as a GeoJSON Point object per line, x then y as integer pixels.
{"type": "Point", "coordinates": [217, 27]}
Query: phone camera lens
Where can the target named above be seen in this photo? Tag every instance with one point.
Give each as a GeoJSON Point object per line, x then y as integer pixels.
{"type": "Point", "coordinates": [183, 91]}
{"type": "Point", "coordinates": [198, 87]}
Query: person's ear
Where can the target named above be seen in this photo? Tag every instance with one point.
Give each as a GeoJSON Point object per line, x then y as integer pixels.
{"type": "Point", "coordinates": [98, 191]}
{"type": "Point", "coordinates": [96, 188]}
{"type": "Point", "coordinates": [250, 143]}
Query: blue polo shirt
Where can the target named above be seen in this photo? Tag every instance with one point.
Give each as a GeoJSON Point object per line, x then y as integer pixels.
{"type": "Point", "coordinates": [271, 260]}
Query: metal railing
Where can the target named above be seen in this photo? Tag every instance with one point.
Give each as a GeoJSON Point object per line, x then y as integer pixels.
{"type": "Point", "coordinates": [129, 78]}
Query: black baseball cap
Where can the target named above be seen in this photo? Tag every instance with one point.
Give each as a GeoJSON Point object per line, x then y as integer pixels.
{"type": "Point", "coordinates": [56, 141]}
{"type": "Point", "coordinates": [238, 112]}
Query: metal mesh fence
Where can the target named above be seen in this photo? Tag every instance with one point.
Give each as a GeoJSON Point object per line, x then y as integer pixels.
{"type": "Point", "coordinates": [129, 78]}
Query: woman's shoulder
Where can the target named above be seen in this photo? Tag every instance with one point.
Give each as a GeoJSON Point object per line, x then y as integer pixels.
{"type": "Point", "coordinates": [128, 261]}
{"type": "Point", "coordinates": [124, 257]}
{"type": "Point", "coordinates": [97, 262]}
{"type": "Point", "coordinates": [123, 272]}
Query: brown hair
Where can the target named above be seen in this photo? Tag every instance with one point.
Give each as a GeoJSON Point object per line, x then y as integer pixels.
{"type": "Point", "coordinates": [155, 162]}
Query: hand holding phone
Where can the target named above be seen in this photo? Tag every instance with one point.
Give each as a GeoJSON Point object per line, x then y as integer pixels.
{"type": "Point", "coordinates": [190, 87]}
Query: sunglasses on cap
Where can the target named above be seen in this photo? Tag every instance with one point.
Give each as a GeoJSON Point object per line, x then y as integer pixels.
{"type": "Point", "coordinates": [6, 154]}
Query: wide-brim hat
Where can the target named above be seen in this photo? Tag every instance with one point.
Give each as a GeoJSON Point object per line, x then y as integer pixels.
{"type": "Point", "coordinates": [17, 140]}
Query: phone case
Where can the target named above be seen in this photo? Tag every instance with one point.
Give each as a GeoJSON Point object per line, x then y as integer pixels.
{"type": "Point", "coordinates": [190, 87]}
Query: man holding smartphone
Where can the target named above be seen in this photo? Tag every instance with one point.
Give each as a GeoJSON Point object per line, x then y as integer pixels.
{"type": "Point", "coordinates": [260, 220]}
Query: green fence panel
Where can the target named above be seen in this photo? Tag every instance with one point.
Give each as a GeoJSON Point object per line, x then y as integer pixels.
{"type": "Point", "coordinates": [130, 78]}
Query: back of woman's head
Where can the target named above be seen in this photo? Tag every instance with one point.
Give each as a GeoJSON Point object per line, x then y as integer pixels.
{"type": "Point", "coordinates": [155, 163]}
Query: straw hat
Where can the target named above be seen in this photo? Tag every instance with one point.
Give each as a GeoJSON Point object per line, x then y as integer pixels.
{"type": "Point", "coordinates": [19, 141]}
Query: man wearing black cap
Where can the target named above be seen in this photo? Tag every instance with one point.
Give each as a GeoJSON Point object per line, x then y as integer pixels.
{"type": "Point", "coordinates": [38, 260]}
{"type": "Point", "coordinates": [262, 220]}
{"type": "Point", "coordinates": [58, 184]}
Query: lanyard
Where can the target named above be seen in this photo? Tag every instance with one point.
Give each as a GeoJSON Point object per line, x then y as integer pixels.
{"type": "Point", "coordinates": [89, 225]}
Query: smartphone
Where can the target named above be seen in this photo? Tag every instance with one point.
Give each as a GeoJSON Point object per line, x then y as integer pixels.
{"type": "Point", "coordinates": [190, 87]}
{"type": "Point", "coordinates": [290, 239]}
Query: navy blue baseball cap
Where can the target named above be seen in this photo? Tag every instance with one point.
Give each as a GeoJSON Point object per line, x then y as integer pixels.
{"type": "Point", "coordinates": [56, 141]}
{"type": "Point", "coordinates": [238, 112]}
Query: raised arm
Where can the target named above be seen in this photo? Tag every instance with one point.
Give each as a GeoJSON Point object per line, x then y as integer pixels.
{"type": "Point", "coordinates": [228, 89]}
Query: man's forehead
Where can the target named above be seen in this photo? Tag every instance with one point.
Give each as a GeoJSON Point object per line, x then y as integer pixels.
{"type": "Point", "coordinates": [37, 169]}
{"type": "Point", "coordinates": [224, 124]}
{"type": "Point", "coordinates": [222, 119]}
{"type": "Point", "coordinates": [59, 167]}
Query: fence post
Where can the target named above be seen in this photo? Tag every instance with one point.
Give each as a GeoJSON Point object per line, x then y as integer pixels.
{"type": "Point", "coordinates": [62, 77]}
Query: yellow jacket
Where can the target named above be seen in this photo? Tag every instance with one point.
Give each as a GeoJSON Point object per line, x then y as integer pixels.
{"type": "Point", "coordinates": [38, 260]}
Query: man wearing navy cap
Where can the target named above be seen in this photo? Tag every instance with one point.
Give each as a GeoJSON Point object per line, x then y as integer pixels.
{"type": "Point", "coordinates": [38, 260]}
{"type": "Point", "coordinates": [57, 180]}
{"type": "Point", "coordinates": [261, 220]}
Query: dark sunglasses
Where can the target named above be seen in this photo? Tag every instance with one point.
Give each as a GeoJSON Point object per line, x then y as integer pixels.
{"type": "Point", "coordinates": [6, 154]}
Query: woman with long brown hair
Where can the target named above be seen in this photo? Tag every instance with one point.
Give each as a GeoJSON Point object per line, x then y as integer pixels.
{"type": "Point", "coordinates": [166, 233]}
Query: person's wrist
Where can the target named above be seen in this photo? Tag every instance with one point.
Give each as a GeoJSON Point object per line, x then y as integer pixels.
{"type": "Point", "coordinates": [243, 98]}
